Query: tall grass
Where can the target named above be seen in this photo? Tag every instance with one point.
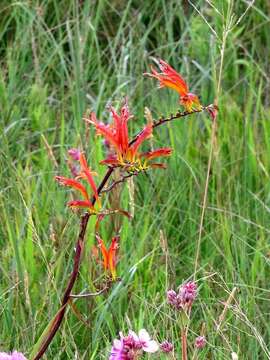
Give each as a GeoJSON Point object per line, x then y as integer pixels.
{"type": "Point", "coordinates": [60, 58]}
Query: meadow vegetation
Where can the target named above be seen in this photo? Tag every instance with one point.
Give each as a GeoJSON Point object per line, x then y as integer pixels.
{"type": "Point", "coordinates": [59, 59]}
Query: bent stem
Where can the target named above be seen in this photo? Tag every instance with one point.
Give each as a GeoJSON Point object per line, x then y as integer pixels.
{"type": "Point", "coordinates": [80, 242]}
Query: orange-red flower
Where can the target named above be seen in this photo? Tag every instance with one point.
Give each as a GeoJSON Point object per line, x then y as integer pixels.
{"type": "Point", "coordinates": [109, 255]}
{"type": "Point", "coordinates": [84, 173]}
{"type": "Point", "coordinates": [171, 79]}
{"type": "Point", "coordinates": [124, 153]}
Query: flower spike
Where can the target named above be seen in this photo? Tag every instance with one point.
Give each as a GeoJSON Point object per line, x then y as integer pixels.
{"type": "Point", "coordinates": [171, 79]}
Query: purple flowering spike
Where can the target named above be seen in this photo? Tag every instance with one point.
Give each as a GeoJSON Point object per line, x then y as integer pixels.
{"type": "Point", "coordinates": [166, 346]}
{"type": "Point", "coordinates": [200, 342]}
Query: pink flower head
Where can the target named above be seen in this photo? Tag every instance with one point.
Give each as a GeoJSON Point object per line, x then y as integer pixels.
{"type": "Point", "coordinates": [174, 299]}
{"type": "Point", "coordinates": [188, 292]}
{"type": "Point", "coordinates": [129, 347]}
{"type": "Point", "coordinates": [200, 342]}
{"type": "Point", "coordinates": [166, 346]}
{"type": "Point", "coordinates": [185, 296]}
{"type": "Point", "coordinates": [14, 356]}
{"type": "Point", "coordinates": [75, 154]}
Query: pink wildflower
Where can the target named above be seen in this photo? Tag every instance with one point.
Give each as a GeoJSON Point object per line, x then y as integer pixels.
{"type": "Point", "coordinates": [185, 296]}
{"type": "Point", "coordinates": [166, 346]}
{"type": "Point", "coordinates": [119, 352]}
{"type": "Point", "coordinates": [188, 292]}
{"type": "Point", "coordinates": [200, 342]}
{"type": "Point", "coordinates": [131, 346]}
{"type": "Point", "coordinates": [14, 356]}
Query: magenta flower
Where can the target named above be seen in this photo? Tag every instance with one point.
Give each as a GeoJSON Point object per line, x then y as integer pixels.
{"type": "Point", "coordinates": [185, 296]}
{"type": "Point", "coordinates": [188, 292]}
{"type": "Point", "coordinates": [131, 346]}
{"type": "Point", "coordinates": [119, 352]}
{"type": "Point", "coordinates": [166, 346]}
{"type": "Point", "coordinates": [200, 342]}
{"type": "Point", "coordinates": [75, 154]}
{"type": "Point", "coordinates": [14, 356]}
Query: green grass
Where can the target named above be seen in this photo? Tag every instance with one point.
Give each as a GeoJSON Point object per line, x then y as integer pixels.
{"type": "Point", "coordinates": [60, 58]}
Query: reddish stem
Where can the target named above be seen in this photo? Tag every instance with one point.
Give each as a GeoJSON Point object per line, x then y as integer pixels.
{"type": "Point", "coordinates": [184, 344]}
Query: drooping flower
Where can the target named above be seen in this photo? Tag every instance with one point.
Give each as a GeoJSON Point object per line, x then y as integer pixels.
{"type": "Point", "coordinates": [200, 342]}
{"type": "Point", "coordinates": [166, 346]}
{"type": "Point", "coordinates": [171, 79]}
{"type": "Point", "coordinates": [109, 255]}
{"type": "Point", "coordinates": [13, 356]}
{"type": "Point", "coordinates": [125, 153]}
{"type": "Point", "coordinates": [82, 173]}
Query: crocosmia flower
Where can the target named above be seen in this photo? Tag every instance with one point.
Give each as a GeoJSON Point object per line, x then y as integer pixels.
{"type": "Point", "coordinates": [171, 79]}
{"type": "Point", "coordinates": [125, 153]}
{"type": "Point", "coordinates": [109, 255]}
{"type": "Point", "coordinates": [13, 356]}
{"type": "Point", "coordinates": [84, 173]}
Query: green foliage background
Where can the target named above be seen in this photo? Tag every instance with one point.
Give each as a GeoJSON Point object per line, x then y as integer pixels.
{"type": "Point", "coordinates": [60, 58]}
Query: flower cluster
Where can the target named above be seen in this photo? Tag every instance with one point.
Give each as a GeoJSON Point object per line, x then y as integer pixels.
{"type": "Point", "coordinates": [124, 152]}
{"type": "Point", "coordinates": [185, 296]}
{"type": "Point", "coordinates": [13, 356]}
{"type": "Point", "coordinates": [171, 79]}
{"type": "Point", "coordinates": [131, 346]}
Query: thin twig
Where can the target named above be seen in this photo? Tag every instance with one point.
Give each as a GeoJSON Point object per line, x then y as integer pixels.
{"type": "Point", "coordinates": [82, 296]}
{"type": "Point", "coordinates": [109, 188]}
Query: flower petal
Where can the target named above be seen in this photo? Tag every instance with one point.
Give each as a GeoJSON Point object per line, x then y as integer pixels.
{"type": "Point", "coordinates": [156, 153]}
{"type": "Point", "coordinates": [80, 204]}
{"type": "Point", "coordinates": [143, 335]}
{"type": "Point", "coordinates": [145, 133]}
{"type": "Point", "coordinates": [151, 346]}
{"type": "Point", "coordinates": [73, 184]}
{"type": "Point", "coordinates": [88, 175]}
{"type": "Point", "coordinates": [104, 252]}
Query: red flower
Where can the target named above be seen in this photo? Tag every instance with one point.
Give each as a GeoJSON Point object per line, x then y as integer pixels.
{"type": "Point", "coordinates": [124, 153]}
{"type": "Point", "coordinates": [109, 255]}
{"type": "Point", "coordinates": [170, 78]}
{"type": "Point", "coordinates": [84, 173]}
